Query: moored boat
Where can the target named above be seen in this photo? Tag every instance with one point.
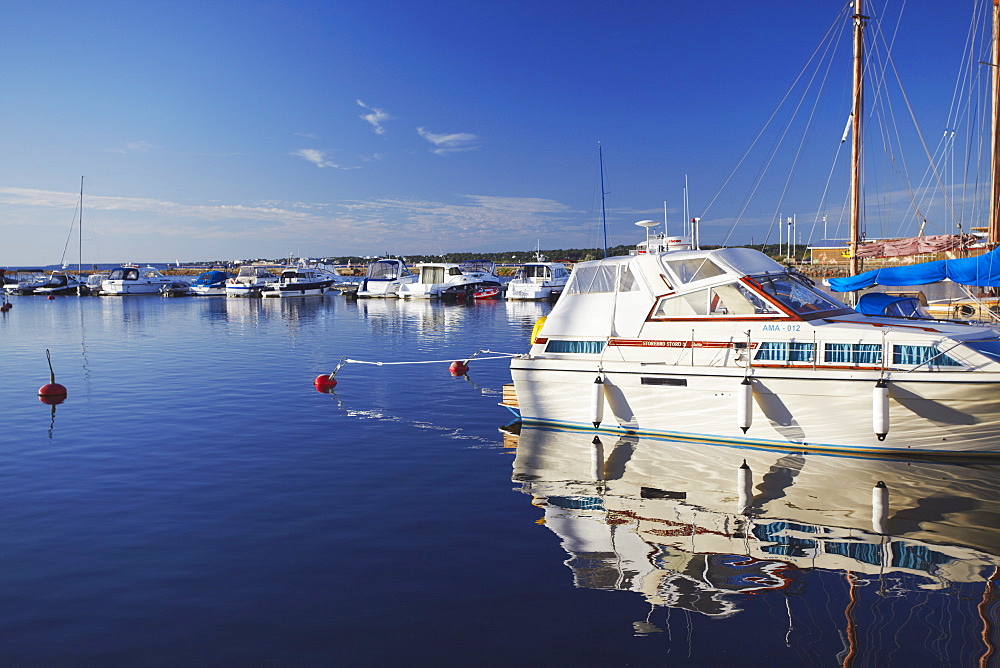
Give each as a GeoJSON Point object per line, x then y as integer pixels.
{"type": "Point", "coordinates": [538, 280]}
{"type": "Point", "coordinates": [730, 346]}
{"type": "Point", "coordinates": [450, 280]}
{"type": "Point", "coordinates": [249, 281]}
{"type": "Point", "coordinates": [384, 277]}
{"type": "Point", "coordinates": [299, 282]}
{"type": "Point", "coordinates": [210, 283]}
{"type": "Point", "coordinates": [60, 283]}
{"type": "Point", "coordinates": [134, 280]}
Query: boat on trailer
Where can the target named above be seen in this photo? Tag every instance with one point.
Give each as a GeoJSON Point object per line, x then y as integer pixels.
{"type": "Point", "coordinates": [729, 346]}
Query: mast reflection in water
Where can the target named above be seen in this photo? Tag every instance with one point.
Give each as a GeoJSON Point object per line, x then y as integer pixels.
{"type": "Point", "coordinates": [721, 531]}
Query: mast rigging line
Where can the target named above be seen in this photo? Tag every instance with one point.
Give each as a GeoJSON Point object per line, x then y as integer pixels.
{"type": "Point", "coordinates": [825, 40]}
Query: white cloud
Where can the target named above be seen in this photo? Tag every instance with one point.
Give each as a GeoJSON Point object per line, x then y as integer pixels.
{"type": "Point", "coordinates": [450, 143]}
{"type": "Point", "coordinates": [141, 146]}
{"type": "Point", "coordinates": [376, 117]}
{"type": "Point", "coordinates": [317, 158]}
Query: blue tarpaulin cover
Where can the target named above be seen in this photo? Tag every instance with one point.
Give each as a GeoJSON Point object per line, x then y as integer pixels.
{"type": "Point", "coordinates": [981, 270]}
{"type": "Point", "coordinates": [879, 303]}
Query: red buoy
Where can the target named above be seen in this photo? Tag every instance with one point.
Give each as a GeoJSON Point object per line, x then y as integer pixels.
{"type": "Point", "coordinates": [324, 383]}
{"type": "Point", "coordinates": [53, 389]}
{"type": "Point", "coordinates": [51, 394]}
{"type": "Point", "coordinates": [52, 296]}
{"type": "Point", "coordinates": [458, 368]}
{"type": "Point", "coordinates": [6, 306]}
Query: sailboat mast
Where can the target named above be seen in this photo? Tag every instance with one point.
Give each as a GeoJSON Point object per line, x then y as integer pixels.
{"type": "Point", "coordinates": [994, 228]}
{"type": "Point", "coordinates": [604, 215]}
{"type": "Point", "coordinates": [79, 259]}
{"type": "Point", "coordinates": [856, 109]}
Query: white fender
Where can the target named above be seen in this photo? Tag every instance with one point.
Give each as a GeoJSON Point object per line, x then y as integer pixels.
{"type": "Point", "coordinates": [744, 405]}
{"type": "Point", "coordinates": [880, 508]}
{"type": "Point", "coordinates": [880, 409]}
{"type": "Point", "coordinates": [597, 402]}
{"type": "Point", "coordinates": [744, 483]}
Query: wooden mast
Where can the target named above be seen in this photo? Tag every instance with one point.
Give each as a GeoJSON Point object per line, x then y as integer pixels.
{"type": "Point", "coordinates": [858, 90]}
{"type": "Point", "coordinates": [994, 227]}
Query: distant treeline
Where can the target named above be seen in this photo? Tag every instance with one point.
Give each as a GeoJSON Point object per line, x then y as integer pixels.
{"type": "Point", "coordinates": [511, 257]}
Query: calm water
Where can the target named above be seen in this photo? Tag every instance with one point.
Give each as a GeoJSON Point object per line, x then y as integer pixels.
{"type": "Point", "coordinates": [196, 502]}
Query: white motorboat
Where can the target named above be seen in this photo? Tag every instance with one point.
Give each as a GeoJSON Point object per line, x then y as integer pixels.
{"type": "Point", "coordinates": [538, 280]}
{"type": "Point", "coordinates": [22, 281]}
{"type": "Point", "coordinates": [249, 281]}
{"type": "Point", "coordinates": [449, 280]}
{"type": "Point", "coordinates": [300, 282]}
{"type": "Point", "coordinates": [133, 280]}
{"type": "Point", "coordinates": [730, 346]}
{"type": "Point", "coordinates": [384, 277]}
{"type": "Point", "coordinates": [210, 283]}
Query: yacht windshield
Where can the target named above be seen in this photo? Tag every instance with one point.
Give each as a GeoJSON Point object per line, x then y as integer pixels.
{"type": "Point", "coordinates": [794, 293]}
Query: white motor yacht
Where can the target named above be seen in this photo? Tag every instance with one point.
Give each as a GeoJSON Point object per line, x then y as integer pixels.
{"type": "Point", "coordinates": [299, 282]}
{"type": "Point", "coordinates": [538, 280]}
{"type": "Point", "coordinates": [444, 280]}
{"type": "Point", "coordinates": [133, 280]}
{"type": "Point", "coordinates": [730, 346]}
{"type": "Point", "coordinates": [384, 277]}
{"type": "Point", "coordinates": [249, 281]}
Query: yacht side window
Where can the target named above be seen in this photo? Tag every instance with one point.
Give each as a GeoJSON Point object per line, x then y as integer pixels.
{"type": "Point", "coordinates": [597, 278]}
{"type": "Point", "coordinates": [853, 353]}
{"type": "Point", "coordinates": [694, 269]}
{"type": "Point", "coordinates": [922, 355]}
{"type": "Point", "coordinates": [796, 295]}
{"type": "Point", "coordinates": [732, 299]}
{"type": "Point", "coordinates": [785, 351]}
{"type": "Point", "coordinates": [626, 280]}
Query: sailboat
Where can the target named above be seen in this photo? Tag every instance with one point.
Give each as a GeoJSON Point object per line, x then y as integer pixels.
{"type": "Point", "coordinates": [62, 282]}
{"type": "Point", "coordinates": [976, 272]}
{"type": "Point", "coordinates": [727, 346]}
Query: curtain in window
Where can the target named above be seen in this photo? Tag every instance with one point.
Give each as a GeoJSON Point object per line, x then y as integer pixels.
{"type": "Point", "coordinates": [784, 351]}
{"type": "Point", "coordinates": [853, 353]}
{"type": "Point", "coordinates": [920, 355]}
{"type": "Point", "coordinates": [590, 347]}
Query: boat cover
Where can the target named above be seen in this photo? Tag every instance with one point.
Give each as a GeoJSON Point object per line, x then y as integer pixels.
{"type": "Point", "coordinates": [879, 303]}
{"type": "Point", "coordinates": [982, 270]}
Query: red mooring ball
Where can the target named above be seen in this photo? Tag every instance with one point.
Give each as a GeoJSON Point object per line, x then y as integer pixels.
{"type": "Point", "coordinates": [52, 390]}
{"type": "Point", "coordinates": [458, 368]}
{"type": "Point", "coordinates": [52, 296]}
{"type": "Point", "coordinates": [324, 383]}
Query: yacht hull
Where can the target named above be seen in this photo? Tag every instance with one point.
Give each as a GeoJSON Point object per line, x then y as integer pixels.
{"type": "Point", "coordinates": [794, 409]}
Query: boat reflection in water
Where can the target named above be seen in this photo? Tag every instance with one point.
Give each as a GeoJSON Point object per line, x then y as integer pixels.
{"type": "Point", "coordinates": [690, 526]}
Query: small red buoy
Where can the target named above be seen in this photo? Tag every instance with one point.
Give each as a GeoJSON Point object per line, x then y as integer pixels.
{"type": "Point", "coordinates": [324, 383]}
{"type": "Point", "coordinates": [6, 306]}
{"type": "Point", "coordinates": [53, 389]}
{"type": "Point", "coordinates": [52, 296]}
{"type": "Point", "coordinates": [49, 394]}
{"type": "Point", "coordinates": [458, 368]}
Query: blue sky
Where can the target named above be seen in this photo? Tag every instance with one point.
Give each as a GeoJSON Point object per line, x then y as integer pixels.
{"type": "Point", "coordinates": [228, 130]}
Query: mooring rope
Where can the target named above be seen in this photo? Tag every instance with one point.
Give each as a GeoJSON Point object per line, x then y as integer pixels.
{"type": "Point", "coordinates": [494, 355]}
